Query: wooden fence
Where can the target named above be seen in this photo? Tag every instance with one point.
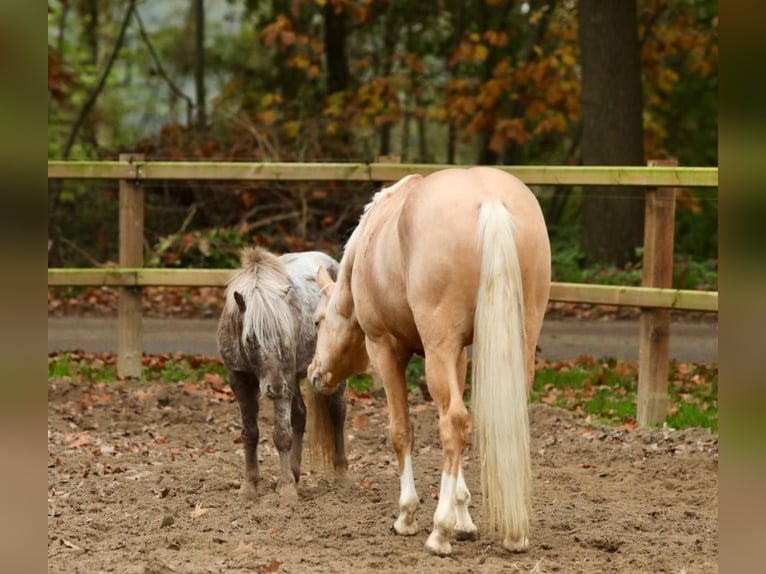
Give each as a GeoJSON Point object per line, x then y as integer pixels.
{"type": "Point", "coordinates": [655, 298]}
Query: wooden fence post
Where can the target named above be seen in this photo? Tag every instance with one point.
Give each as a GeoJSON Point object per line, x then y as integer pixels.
{"type": "Point", "coordinates": [129, 335]}
{"type": "Point", "coordinates": [654, 342]}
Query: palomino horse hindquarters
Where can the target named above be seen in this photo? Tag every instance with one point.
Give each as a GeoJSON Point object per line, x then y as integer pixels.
{"type": "Point", "coordinates": [436, 263]}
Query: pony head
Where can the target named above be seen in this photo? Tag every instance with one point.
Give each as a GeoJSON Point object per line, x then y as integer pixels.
{"type": "Point", "coordinates": [258, 322]}
{"type": "Point", "coordinates": [340, 349]}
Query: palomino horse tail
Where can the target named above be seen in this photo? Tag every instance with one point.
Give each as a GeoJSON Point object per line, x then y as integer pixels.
{"type": "Point", "coordinates": [320, 431]}
{"type": "Point", "coordinates": [499, 381]}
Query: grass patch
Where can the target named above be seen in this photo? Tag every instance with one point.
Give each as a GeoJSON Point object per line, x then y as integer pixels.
{"type": "Point", "coordinates": [102, 367]}
{"type": "Point", "coordinates": [606, 391]}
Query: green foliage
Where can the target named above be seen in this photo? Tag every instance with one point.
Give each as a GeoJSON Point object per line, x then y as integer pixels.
{"type": "Point", "coordinates": [472, 82]}
{"type": "Point", "coordinates": [606, 391]}
{"type": "Point", "coordinates": [98, 368]}
{"type": "Point", "coordinates": [87, 368]}
{"type": "Point", "coordinates": [568, 265]}
{"type": "Point", "coordinates": [693, 391]}
{"type": "Point", "coordinates": [205, 249]}
{"type": "Point", "coordinates": [360, 383]}
{"type": "Point", "coordinates": [414, 374]}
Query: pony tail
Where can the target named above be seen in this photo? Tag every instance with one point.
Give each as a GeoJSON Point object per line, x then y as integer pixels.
{"type": "Point", "coordinates": [320, 431]}
{"type": "Point", "coordinates": [499, 381]}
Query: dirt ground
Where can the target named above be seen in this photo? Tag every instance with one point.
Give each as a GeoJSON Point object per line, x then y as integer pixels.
{"type": "Point", "coordinates": [143, 479]}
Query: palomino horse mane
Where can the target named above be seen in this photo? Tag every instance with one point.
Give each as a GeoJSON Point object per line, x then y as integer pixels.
{"type": "Point", "coordinates": [348, 251]}
{"type": "Point", "coordinates": [343, 302]}
{"type": "Point", "coordinates": [263, 284]}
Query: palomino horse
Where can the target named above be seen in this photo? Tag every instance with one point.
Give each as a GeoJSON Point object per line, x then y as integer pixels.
{"type": "Point", "coordinates": [266, 338]}
{"type": "Point", "coordinates": [436, 263]}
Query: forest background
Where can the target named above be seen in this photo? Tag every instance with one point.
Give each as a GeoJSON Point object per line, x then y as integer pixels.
{"type": "Point", "coordinates": [508, 82]}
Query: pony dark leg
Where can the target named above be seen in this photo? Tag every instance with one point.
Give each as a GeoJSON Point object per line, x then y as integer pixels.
{"type": "Point", "coordinates": [245, 387]}
{"type": "Point", "coordinates": [298, 423]}
{"type": "Point", "coordinates": [337, 408]}
{"type": "Point", "coordinates": [283, 440]}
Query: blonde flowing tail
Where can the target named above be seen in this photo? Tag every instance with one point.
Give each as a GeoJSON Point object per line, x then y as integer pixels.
{"type": "Point", "coordinates": [499, 381]}
{"type": "Point", "coordinates": [320, 431]}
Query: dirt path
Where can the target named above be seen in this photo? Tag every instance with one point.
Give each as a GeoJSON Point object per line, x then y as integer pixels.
{"type": "Point", "coordinates": [561, 339]}
{"type": "Point", "coordinates": [143, 479]}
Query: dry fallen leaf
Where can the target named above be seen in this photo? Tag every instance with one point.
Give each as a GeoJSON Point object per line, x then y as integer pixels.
{"type": "Point", "coordinates": [272, 566]}
{"type": "Point", "coordinates": [198, 510]}
{"type": "Point", "coordinates": [245, 547]}
{"type": "Point", "coordinates": [77, 440]}
{"type": "Point", "coordinates": [359, 422]}
{"type": "Point", "coordinates": [629, 425]}
{"type": "Point", "coordinates": [70, 544]}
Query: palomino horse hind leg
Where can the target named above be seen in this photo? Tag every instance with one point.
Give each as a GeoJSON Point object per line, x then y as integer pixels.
{"type": "Point", "coordinates": [245, 387]}
{"type": "Point", "coordinates": [337, 407]}
{"type": "Point", "coordinates": [390, 366]}
{"type": "Point", "coordinates": [443, 369]}
{"type": "Point", "coordinates": [465, 529]}
{"type": "Point", "coordinates": [298, 424]}
{"type": "Point", "coordinates": [283, 440]}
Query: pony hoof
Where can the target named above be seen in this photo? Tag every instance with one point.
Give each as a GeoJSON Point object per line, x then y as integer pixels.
{"type": "Point", "coordinates": [287, 493]}
{"type": "Point", "coordinates": [520, 544]}
{"type": "Point", "coordinates": [468, 534]}
{"type": "Point", "coordinates": [402, 528]}
{"type": "Point", "coordinates": [438, 546]}
{"type": "Point", "coordinates": [342, 479]}
{"type": "Point", "coordinates": [247, 491]}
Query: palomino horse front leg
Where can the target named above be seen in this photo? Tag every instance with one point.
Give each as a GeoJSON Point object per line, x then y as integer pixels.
{"type": "Point", "coordinates": [245, 387]}
{"type": "Point", "coordinates": [444, 369]}
{"type": "Point", "coordinates": [283, 440]}
{"type": "Point", "coordinates": [390, 366]}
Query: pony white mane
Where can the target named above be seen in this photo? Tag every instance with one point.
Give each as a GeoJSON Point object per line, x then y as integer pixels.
{"type": "Point", "coordinates": [379, 196]}
{"type": "Point", "coordinates": [263, 284]}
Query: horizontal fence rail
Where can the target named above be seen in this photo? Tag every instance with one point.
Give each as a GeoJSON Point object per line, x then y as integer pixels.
{"type": "Point", "coordinates": [375, 172]}
{"type": "Point", "coordinates": [648, 297]}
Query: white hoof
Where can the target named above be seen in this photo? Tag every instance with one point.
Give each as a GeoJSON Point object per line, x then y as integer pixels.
{"type": "Point", "coordinates": [438, 545]}
{"type": "Point", "coordinates": [405, 528]}
{"type": "Point", "coordinates": [520, 544]}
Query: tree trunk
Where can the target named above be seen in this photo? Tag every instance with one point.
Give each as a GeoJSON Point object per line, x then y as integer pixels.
{"type": "Point", "coordinates": [612, 129]}
{"type": "Point", "coordinates": [335, 34]}
{"type": "Point", "coordinates": [198, 8]}
{"type": "Point", "coordinates": [338, 76]}
{"type": "Point", "coordinates": [391, 32]}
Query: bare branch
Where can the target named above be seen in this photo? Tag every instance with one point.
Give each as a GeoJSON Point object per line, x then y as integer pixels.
{"type": "Point", "coordinates": [91, 101]}
{"type": "Point", "coordinates": [161, 71]}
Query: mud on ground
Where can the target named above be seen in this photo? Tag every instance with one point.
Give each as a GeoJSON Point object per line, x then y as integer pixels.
{"type": "Point", "coordinates": [144, 478]}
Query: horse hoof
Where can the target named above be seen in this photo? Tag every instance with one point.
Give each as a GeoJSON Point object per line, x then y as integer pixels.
{"type": "Point", "coordinates": [287, 493]}
{"type": "Point", "coordinates": [520, 544]}
{"type": "Point", "coordinates": [437, 546]}
{"type": "Point", "coordinates": [247, 491]}
{"type": "Point", "coordinates": [403, 529]}
{"type": "Point", "coordinates": [342, 479]}
{"type": "Point", "coordinates": [468, 534]}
